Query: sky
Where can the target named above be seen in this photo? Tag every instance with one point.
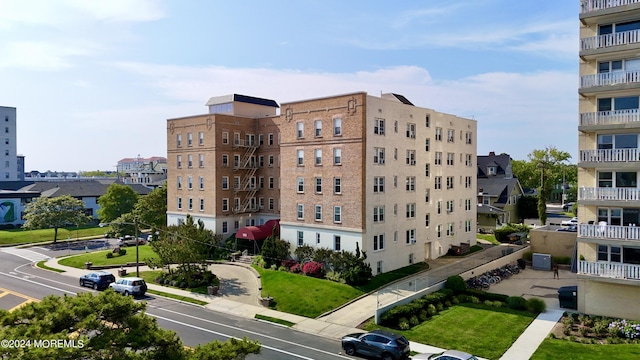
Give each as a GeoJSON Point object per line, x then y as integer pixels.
{"type": "Point", "coordinates": [95, 81]}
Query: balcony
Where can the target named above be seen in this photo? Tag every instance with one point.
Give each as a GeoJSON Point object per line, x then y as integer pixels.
{"type": "Point", "coordinates": [587, 6]}
{"type": "Point", "coordinates": [615, 194]}
{"type": "Point", "coordinates": [609, 232]}
{"type": "Point", "coordinates": [609, 155]}
{"type": "Point", "coordinates": [610, 78]}
{"type": "Point", "coordinates": [614, 117]}
{"type": "Point", "coordinates": [609, 270]}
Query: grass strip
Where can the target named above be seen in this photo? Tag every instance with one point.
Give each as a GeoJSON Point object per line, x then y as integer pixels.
{"type": "Point", "coordinates": [178, 297]}
{"type": "Point", "coordinates": [274, 320]}
{"type": "Point", "coordinates": [41, 265]}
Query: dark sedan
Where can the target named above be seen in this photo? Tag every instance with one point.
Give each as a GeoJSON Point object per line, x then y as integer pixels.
{"type": "Point", "coordinates": [97, 279]}
{"type": "Point", "coordinates": [380, 344]}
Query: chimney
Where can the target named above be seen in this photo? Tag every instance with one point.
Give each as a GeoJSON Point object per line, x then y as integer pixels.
{"type": "Point", "coordinates": [492, 153]}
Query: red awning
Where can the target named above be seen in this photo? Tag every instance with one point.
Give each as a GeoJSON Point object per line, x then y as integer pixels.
{"type": "Point", "coordinates": [259, 232]}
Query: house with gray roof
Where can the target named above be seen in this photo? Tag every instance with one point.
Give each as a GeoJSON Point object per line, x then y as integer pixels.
{"type": "Point", "coordinates": [498, 191]}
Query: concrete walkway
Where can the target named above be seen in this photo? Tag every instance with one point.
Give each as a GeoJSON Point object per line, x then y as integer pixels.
{"type": "Point", "coordinates": [239, 296]}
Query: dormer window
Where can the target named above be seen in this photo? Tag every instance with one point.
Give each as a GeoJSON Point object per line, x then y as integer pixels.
{"type": "Point", "coordinates": [492, 170]}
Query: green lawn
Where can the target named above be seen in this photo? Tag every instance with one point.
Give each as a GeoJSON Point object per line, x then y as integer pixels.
{"type": "Point", "coordinates": [488, 237]}
{"type": "Point", "coordinates": [100, 258]}
{"type": "Point", "coordinates": [21, 236]}
{"type": "Point", "coordinates": [550, 348]}
{"type": "Point", "coordinates": [304, 295]}
{"type": "Point", "coordinates": [483, 331]}
{"type": "Point", "coordinates": [383, 279]}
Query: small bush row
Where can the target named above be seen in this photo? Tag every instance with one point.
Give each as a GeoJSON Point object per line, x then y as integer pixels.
{"type": "Point", "coordinates": [183, 280]}
{"type": "Point", "coordinates": [120, 253]}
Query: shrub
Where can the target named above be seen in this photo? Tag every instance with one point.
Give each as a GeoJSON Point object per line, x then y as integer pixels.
{"type": "Point", "coordinates": [296, 269]}
{"type": "Point", "coordinates": [313, 268]}
{"type": "Point", "coordinates": [455, 283]}
{"type": "Point", "coordinates": [183, 285]}
{"type": "Point", "coordinates": [287, 264]}
{"type": "Point", "coordinates": [497, 304]}
{"type": "Point", "coordinates": [488, 303]}
{"type": "Point", "coordinates": [283, 268]}
{"type": "Point", "coordinates": [474, 300]}
{"type": "Point", "coordinates": [516, 303]}
{"type": "Point", "coordinates": [413, 321]}
{"type": "Point", "coordinates": [109, 255]}
{"type": "Point", "coordinates": [424, 316]}
{"type": "Point", "coordinates": [536, 305]}
{"type": "Point", "coordinates": [334, 276]}
{"type": "Point", "coordinates": [527, 256]}
{"type": "Point", "coordinates": [431, 310]}
{"type": "Point", "coordinates": [122, 252]}
{"type": "Point", "coordinates": [403, 324]}
{"type": "Point", "coordinates": [565, 260]}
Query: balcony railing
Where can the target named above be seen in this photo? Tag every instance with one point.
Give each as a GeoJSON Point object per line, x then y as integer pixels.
{"type": "Point", "coordinates": [612, 232]}
{"type": "Point", "coordinates": [594, 5]}
{"type": "Point", "coordinates": [611, 78]}
{"type": "Point", "coordinates": [610, 155]}
{"type": "Point", "coordinates": [621, 194]}
{"type": "Point", "coordinates": [609, 40]}
{"type": "Point", "coordinates": [610, 117]}
{"type": "Point", "coordinates": [609, 270]}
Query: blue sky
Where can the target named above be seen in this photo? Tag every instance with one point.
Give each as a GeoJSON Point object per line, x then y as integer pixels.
{"type": "Point", "coordinates": [95, 81]}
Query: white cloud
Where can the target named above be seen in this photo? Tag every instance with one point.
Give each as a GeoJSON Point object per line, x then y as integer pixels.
{"type": "Point", "coordinates": [41, 55]}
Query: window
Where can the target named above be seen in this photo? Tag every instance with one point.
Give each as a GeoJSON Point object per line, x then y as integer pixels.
{"type": "Point", "coordinates": [378, 214]}
{"type": "Point", "coordinates": [467, 204]}
{"type": "Point", "coordinates": [450, 182]}
{"type": "Point", "coordinates": [225, 227]}
{"type": "Point", "coordinates": [318, 128]}
{"type": "Point", "coordinates": [468, 137]}
{"type": "Point", "coordinates": [450, 206]}
{"type": "Point", "coordinates": [318, 184]}
{"type": "Point", "coordinates": [261, 161]}
{"type": "Point", "coordinates": [450, 159]}
{"type": "Point", "coordinates": [300, 238]}
{"type": "Point", "coordinates": [395, 126]}
{"type": "Point", "coordinates": [467, 182]}
{"type": "Point", "coordinates": [437, 183]}
{"type": "Point", "coordinates": [236, 182]}
{"type": "Point", "coordinates": [236, 225]}
{"type": "Point", "coordinates": [337, 126]}
{"type": "Point", "coordinates": [468, 160]}
{"type": "Point", "coordinates": [270, 182]}
{"type": "Point", "coordinates": [411, 211]}
{"type": "Point", "coordinates": [225, 137]}
{"type": "Point", "coordinates": [317, 238]}
{"type": "Point", "coordinates": [427, 195]}
{"type": "Point", "coordinates": [179, 182]}
{"type": "Point", "coordinates": [467, 226]}
{"type": "Point", "coordinates": [225, 160]}
{"type": "Point", "coordinates": [179, 161]}
{"type": "Point", "coordinates": [395, 181]}
{"type": "Point", "coordinates": [439, 230]}
{"type": "Point", "coordinates": [395, 209]}
{"type": "Point", "coordinates": [337, 156]}
{"type": "Point", "coordinates": [492, 170]}
{"type": "Point", "coordinates": [378, 242]}
{"type": "Point", "coordinates": [271, 207]}
{"type": "Point", "coordinates": [427, 121]}
{"type": "Point", "coordinates": [378, 127]}
{"type": "Point", "coordinates": [378, 184]}
{"type": "Point", "coordinates": [300, 157]}
{"type": "Point", "coordinates": [236, 161]}
{"type": "Point", "coordinates": [318, 212]}
{"type": "Point", "coordinates": [261, 182]}
{"type": "Point", "coordinates": [189, 182]}
{"type": "Point", "coordinates": [201, 204]}
{"type": "Point", "coordinates": [190, 204]}
{"type": "Point", "coordinates": [179, 140]}
{"type": "Point", "coordinates": [439, 207]}
{"type": "Point", "coordinates": [426, 220]}
{"type": "Point", "coordinates": [336, 242]}
{"type": "Point", "coordinates": [378, 156]}
{"type": "Point", "coordinates": [200, 138]}
{"type": "Point", "coordinates": [337, 214]}
{"type": "Point", "coordinates": [201, 160]}
{"type": "Point", "coordinates": [410, 183]}
{"type": "Point", "coordinates": [260, 139]}
{"type": "Point", "coordinates": [300, 211]}
{"type": "Point", "coordinates": [438, 159]}
{"type": "Point", "coordinates": [411, 157]}
{"type": "Point", "coordinates": [225, 204]}
{"type": "Point", "coordinates": [438, 134]}
{"type": "Point", "coordinates": [271, 160]}
{"type": "Point", "coordinates": [411, 131]}
{"type": "Point", "coordinates": [300, 130]}
{"type": "Point", "coordinates": [337, 185]}
{"type": "Point", "coordinates": [411, 236]}
{"type": "Point", "coordinates": [450, 229]}
{"type": "Point", "coordinates": [450, 135]}
{"type": "Point", "coordinates": [426, 144]}
{"type": "Point", "coordinates": [190, 161]}
{"type": "Point", "coordinates": [225, 183]}
{"type": "Point", "coordinates": [318, 156]}
{"type": "Point", "coordinates": [426, 170]}
{"type": "Point", "coordinates": [179, 203]}
{"type": "Point", "coordinates": [270, 139]}
{"type": "Point", "coordinates": [189, 139]}
{"type": "Point", "coordinates": [201, 183]}
{"type": "Point", "coordinates": [300, 182]}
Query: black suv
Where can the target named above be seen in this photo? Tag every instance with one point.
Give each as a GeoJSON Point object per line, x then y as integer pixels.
{"type": "Point", "coordinates": [380, 344]}
{"type": "Point", "coordinates": [97, 279]}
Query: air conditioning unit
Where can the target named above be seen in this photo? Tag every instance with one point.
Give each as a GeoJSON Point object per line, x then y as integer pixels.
{"type": "Point", "coordinates": [413, 162]}
{"type": "Point", "coordinates": [413, 241]}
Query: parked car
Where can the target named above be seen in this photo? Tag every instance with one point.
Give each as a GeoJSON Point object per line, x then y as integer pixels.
{"type": "Point", "coordinates": [129, 240]}
{"type": "Point", "coordinates": [377, 343]}
{"type": "Point", "coordinates": [97, 279]}
{"type": "Point", "coordinates": [570, 228]}
{"type": "Point", "coordinates": [567, 206]}
{"type": "Point", "coordinates": [130, 286]}
{"type": "Point", "coordinates": [447, 355]}
{"type": "Point", "coordinates": [572, 221]}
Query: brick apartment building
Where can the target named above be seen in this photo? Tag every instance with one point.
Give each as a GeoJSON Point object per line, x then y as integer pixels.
{"type": "Point", "coordinates": [396, 179]}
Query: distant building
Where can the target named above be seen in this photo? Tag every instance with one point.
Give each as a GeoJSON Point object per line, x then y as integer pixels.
{"type": "Point", "coordinates": [150, 172]}
{"type": "Point", "coordinates": [10, 168]}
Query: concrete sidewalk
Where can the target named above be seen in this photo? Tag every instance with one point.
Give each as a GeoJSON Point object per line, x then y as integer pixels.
{"type": "Point", "coordinates": [240, 299]}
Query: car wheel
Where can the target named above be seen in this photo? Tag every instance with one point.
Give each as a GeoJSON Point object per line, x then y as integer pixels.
{"type": "Point", "coordinates": [349, 349]}
{"type": "Point", "coordinates": [387, 356]}
{"type": "Point", "coordinates": [126, 293]}
{"type": "Point", "coordinates": [81, 282]}
{"type": "Point", "coordinates": [95, 286]}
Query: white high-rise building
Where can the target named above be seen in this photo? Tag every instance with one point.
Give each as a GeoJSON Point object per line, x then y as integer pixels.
{"type": "Point", "coordinates": [9, 165]}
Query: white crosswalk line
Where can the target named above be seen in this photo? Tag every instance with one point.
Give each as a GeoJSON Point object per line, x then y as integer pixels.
{"type": "Point", "coordinates": [26, 254]}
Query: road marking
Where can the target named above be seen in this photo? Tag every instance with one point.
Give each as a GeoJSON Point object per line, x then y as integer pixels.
{"type": "Point", "coordinates": [27, 299]}
{"type": "Point", "coordinates": [26, 254]}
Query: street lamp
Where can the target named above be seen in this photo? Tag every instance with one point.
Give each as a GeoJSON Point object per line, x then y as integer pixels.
{"type": "Point", "coordinates": [135, 224]}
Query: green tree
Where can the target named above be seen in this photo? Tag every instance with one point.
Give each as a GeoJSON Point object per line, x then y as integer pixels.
{"type": "Point", "coordinates": [151, 209]}
{"type": "Point", "coordinates": [274, 251]}
{"type": "Point", "coordinates": [550, 162]}
{"type": "Point", "coordinates": [119, 199]}
{"type": "Point", "coordinates": [55, 212]}
{"type": "Point", "coordinates": [103, 326]}
{"type": "Point", "coordinates": [124, 225]}
{"type": "Point", "coordinates": [526, 172]}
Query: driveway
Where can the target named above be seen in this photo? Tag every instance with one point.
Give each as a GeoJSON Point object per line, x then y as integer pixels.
{"type": "Point", "coordinates": [237, 283]}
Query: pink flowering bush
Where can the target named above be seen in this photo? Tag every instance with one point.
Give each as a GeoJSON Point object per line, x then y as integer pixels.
{"type": "Point", "coordinates": [295, 268]}
{"type": "Point", "coordinates": [313, 268]}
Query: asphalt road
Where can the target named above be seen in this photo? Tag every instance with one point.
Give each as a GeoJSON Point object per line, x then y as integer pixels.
{"type": "Point", "coordinates": [194, 324]}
